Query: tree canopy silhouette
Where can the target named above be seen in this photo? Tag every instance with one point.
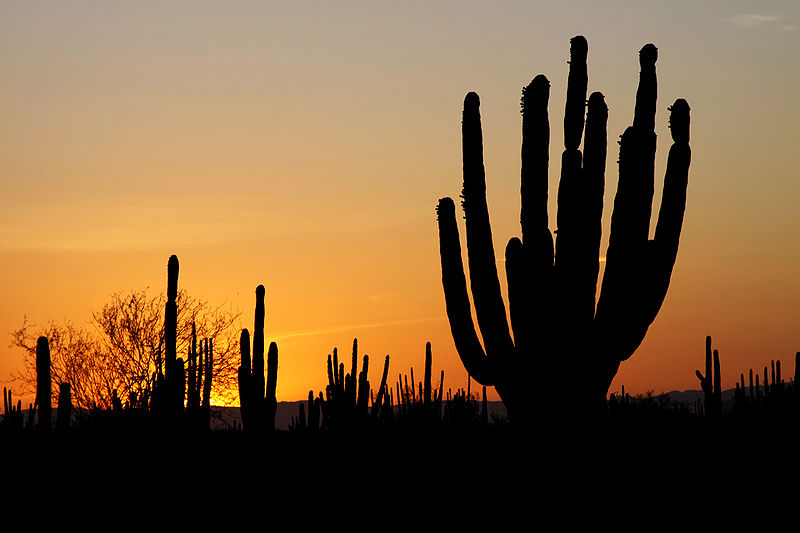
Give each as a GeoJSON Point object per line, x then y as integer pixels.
{"type": "Point", "coordinates": [117, 355]}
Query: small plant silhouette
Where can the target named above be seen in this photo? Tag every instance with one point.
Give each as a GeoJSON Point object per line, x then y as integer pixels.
{"type": "Point", "coordinates": [558, 330]}
{"type": "Point", "coordinates": [711, 383]}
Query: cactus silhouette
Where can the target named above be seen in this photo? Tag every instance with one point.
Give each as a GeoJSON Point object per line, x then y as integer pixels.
{"type": "Point", "coordinates": [170, 389]}
{"type": "Point", "coordinates": [347, 395]}
{"type": "Point", "coordinates": [557, 329]}
{"type": "Point", "coordinates": [64, 411]}
{"type": "Point", "coordinates": [711, 383]}
{"type": "Point", "coordinates": [258, 406]}
{"type": "Point", "coordinates": [12, 417]}
{"type": "Point", "coordinates": [43, 399]}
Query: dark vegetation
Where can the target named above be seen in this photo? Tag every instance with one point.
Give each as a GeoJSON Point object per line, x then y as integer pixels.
{"type": "Point", "coordinates": [553, 376]}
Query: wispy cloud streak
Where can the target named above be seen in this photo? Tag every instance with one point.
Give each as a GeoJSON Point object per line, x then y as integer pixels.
{"type": "Point", "coordinates": [337, 329]}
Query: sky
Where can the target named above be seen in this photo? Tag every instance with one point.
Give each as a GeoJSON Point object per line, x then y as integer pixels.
{"type": "Point", "coordinates": [304, 145]}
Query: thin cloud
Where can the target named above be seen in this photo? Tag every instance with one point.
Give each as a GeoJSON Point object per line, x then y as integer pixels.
{"type": "Point", "coordinates": [337, 329]}
{"type": "Point", "coordinates": [750, 20]}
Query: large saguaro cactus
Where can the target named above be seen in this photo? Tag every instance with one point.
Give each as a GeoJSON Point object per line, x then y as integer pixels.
{"type": "Point", "coordinates": [563, 345]}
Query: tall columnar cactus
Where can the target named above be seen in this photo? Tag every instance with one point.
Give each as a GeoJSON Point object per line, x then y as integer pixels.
{"type": "Point", "coordinates": [257, 405]}
{"type": "Point", "coordinates": [170, 390]}
{"type": "Point", "coordinates": [557, 328]}
{"type": "Point", "coordinates": [43, 391]}
{"type": "Point", "coordinates": [711, 383]}
{"type": "Point", "coordinates": [207, 369]}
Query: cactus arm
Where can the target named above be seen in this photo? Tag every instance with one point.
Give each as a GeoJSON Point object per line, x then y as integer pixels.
{"type": "Point", "coordinates": [535, 163]}
{"type": "Point", "coordinates": [257, 381]}
{"type": "Point", "coordinates": [455, 294]}
{"type": "Point", "coordinates": [489, 306]}
{"type": "Point", "coordinates": [593, 176]}
{"type": "Point", "coordinates": [43, 383]}
{"type": "Point", "coordinates": [673, 203]}
{"type": "Point", "coordinates": [529, 262]}
{"type": "Point", "coordinates": [576, 92]}
{"type": "Point", "coordinates": [271, 386]}
{"type": "Point", "coordinates": [382, 389]}
{"type": "Point", "coordinates": [244, 376]}
{"type": "Point", "coordinates": [630, 221]}
{"type": "Point", "coordinates": [570, 186]}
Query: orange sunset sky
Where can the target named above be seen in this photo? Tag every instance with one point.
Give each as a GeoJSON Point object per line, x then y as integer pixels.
{"type": "Point", "coordinates": [303, 146]}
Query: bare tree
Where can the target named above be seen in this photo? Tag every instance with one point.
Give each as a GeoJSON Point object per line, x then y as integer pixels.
{"type": "Point", "coordinates": [122, 348]}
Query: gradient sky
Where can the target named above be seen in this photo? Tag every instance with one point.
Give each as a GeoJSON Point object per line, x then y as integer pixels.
{"type": "Point", "coordinates": [303, 146]}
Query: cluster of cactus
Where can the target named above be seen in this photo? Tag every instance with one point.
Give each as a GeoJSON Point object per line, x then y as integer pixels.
{"type": "Point", "coordinates": [771, 393]}
{"type": "Point", "coordinates": [552, 287]}
{"type": "Point", "coordinates": [409, 404]}
{"type": "Point", "coordinates": [41, 409]}
{"type": "Point", "coordinates": [12, 415]}
{"type": "Point", "coordinates": [312, 421]}
{"type": "Point", "coordinates": [200, 375]}
{"type": "Point", "coordinates": [427, 405]}
{"type": "Point", "coordinates": [462, 408]}
{"type": "Point", "coordinates": [345, 405]}
{"type": "Point", "coordinates": [257, 400]}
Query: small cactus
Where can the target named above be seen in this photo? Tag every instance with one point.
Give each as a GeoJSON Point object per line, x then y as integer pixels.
{"type": "Point", "coordinates": [711, 383]}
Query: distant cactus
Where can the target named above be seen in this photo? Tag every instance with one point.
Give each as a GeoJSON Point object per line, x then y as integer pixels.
{"type": "Point", "coordinates": [346, 404]}
{"type": "Point", "coordinates": [64, 412]}
{"type": "Point", "coordinates": [43, 390]}
{"type": "Point", "coordinates": [200, 371]}
{"type": "Point", "coordinates": [711, 383]}
{"type": "Point", "coordinates": [557, 327]}
{"type": "Point", "coordinates": [12, 416]}
{"type": "Point", "coordinates": [257, 405]}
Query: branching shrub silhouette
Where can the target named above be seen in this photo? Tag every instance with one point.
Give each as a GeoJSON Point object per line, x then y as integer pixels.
{"type": "Point", "coordinates": [258, 406]}
{"type": "Point", "coordinates": [557, 328]}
